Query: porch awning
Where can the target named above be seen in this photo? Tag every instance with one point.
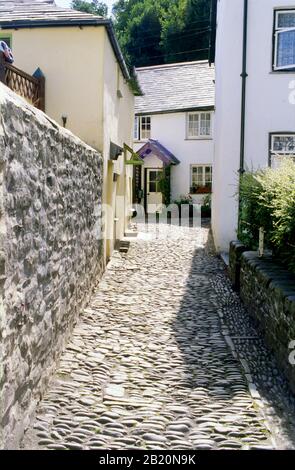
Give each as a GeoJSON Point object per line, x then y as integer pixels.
{"type": "Point", "coordinates": [153, 147]}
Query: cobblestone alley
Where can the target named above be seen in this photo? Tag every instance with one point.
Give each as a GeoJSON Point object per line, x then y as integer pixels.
{"type": "Point", "coordinates": [165, 357]}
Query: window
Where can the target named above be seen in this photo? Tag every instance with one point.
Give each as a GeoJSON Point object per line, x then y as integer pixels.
{"type": "Point", "coordinates": [142, 127]}
{"type": "Point", "coordinates": [283, 144]}
{"type": "Point", "coordinates": [284, 53]}
{"type": "Point", "coordinates": [153, 181]}
{"type": "Point", "coordinates": [198, 125]}
{"type": "Point", "coordinates": [201, 177]}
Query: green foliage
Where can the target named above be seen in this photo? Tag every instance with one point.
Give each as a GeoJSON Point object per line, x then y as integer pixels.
{"type": "Point", "coordinates": [164, 184]}
{"type": "Point", "coordinates": [268, 200]}
{"type": "Point", "coordinates": [183, 199]}
{"type": "Point", "coordinates": [185, 31]}
{"type": "Point", "coordinates": [165, 31]}
{"type": "Point", "coordinates": [206, 206]}
{"type": "Point", "coordinates": [94, 7]}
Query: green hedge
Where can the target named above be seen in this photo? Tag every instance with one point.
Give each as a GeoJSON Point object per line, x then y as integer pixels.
{"type": "Point", "coordinates": [267, 199]}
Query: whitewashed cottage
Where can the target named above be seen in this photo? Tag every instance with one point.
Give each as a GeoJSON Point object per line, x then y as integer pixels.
{"type": "Point", "coordinates": [255, 97]}
{"type": "Point", "coordinates": [174, 127]}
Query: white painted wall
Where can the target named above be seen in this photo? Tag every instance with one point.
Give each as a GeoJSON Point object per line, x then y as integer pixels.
{"type": "Point", "coordinates": [118, 119]}
{"type": "Point", "coordinates": [267, 104]}
{"type": "Point", "coordinates": [170, 130]}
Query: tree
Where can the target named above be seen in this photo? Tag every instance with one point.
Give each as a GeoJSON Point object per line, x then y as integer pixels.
{"type": "Point", "coordinates": [185, 31]}
{"type": "Point", "coordinates": [165, 31]}
{"type": "Point", "coordinates": [138, 28]}
{"type": "Point", "coordinates": [94, 6]}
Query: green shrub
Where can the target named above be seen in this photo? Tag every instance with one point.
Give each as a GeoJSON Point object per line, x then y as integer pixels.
{"type": "Point", "coordinates": [267, 199]}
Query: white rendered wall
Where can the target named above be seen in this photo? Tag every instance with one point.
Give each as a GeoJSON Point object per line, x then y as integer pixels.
{"type": "Point", "coordinates": [170, 131]}
{"type": "Point", "coordinates": [267, 104]}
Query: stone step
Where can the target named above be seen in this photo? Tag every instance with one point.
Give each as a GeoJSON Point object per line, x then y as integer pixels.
{"type": "Point", "coordinates": [124, 245]}
{"type": "Point", "coordinates": [130, 234]}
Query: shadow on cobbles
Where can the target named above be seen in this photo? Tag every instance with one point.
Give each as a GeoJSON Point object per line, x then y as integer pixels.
{"type": "Point", "coordinates": [215, 377]}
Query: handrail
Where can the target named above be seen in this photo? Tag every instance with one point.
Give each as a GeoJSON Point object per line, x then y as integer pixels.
{"type": "Point", "coordinates": [21, 73]}
{"type": "Point", "coordinates": [29, 87]}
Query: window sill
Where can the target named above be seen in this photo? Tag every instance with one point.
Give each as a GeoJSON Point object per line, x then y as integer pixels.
{"type": "Point", "coordinates": [280, 72]}
{"type": "Point", "coordinates": [198, 138]}
{"type": "Point", "coordinates": [201, 192]}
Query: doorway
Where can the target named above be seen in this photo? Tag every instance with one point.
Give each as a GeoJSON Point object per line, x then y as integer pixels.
{"type": "Point", "coordinates": [154, 197]}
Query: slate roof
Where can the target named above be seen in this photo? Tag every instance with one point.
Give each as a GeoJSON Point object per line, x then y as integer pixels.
{"type": "Point", "coordinates": [155, 148]}
{"type": "Point", "coordinates": [12, 11]}
{"type": "Point", "coordinates": [175, 87]}
{"type": "Point", "coordinates": [45, 13]}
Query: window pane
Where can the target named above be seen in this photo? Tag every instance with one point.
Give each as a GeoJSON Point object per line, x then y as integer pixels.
{"type": "Point", "coordinates": [286, 49]}
{"type": "Point", "coordinates": [153, 187]}
{"type": "Point", "coordinates": [153, 175]}
{"type": "Point", "coordinates": [205, 124]}
{"type": "Point", "coordinates": [283, 144]}
{"type": "Point", "coordinates": [197, 176]}
{"type": "Point", "coordinates": [193, 125]}
{"type": "Point", "coordinates": [145, 127]}
{"type": "Point", "coordinates": [286, 20]}
{"type": "Point", "coordinates": [208, 174]}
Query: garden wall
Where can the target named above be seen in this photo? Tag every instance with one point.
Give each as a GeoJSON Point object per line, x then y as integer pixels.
{"type": "Point", "coordinates": [50, 249]}
{"type": "Point", "coordinates": [268, 292]}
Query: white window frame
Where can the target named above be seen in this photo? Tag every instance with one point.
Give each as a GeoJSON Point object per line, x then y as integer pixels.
{"type": "Point", "coordinates": [277, 32]}
{"type": "Point", "coordinates": [203, 166]}
{"type": "Point", "coordinates": [199, 136]}
{"type": "Point", "coordinates": [275, 152]}
{"type": "Point", "coordinates": [138, 128]}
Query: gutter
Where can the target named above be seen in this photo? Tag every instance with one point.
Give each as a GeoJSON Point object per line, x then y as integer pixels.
{"type": "Point", "coordinates": [25, 24]}
{"type": "Point", "coordinates": [244, 76]}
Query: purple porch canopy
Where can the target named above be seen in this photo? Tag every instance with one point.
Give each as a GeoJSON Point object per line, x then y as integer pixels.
{"type": "Point", "coordinates": [153, 147]}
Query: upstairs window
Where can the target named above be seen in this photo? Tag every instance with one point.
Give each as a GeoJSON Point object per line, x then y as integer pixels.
{"type": "Point", "coordinates": [284, 53]}
{"type": "Point", "coordinates": [142, 127]}
{"type": "Point", "coordinates": [198, 125]}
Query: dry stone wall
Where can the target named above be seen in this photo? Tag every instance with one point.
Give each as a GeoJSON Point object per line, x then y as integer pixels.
{"type": "Point", "coordinates": [268, 291]}
{"type": "Point", "coordinates": [51, 252]}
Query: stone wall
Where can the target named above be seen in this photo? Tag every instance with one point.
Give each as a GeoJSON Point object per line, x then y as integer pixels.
{"type": "Point", "coordinates": [236, 249]}
{"type": "Point", "coordinates": [268, 291]}
{"type": "Point", "coordinates": [51, 251]}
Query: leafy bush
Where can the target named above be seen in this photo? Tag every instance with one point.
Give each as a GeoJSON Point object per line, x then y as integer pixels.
{"type": "Point", "coordinates": [267, 199]}
{"type": "Point", "coordinates": [187, 199]}
{"type": "Point", "coordinates": [183, 199]}
{"type": "Point", "coordinates": [206, 206]}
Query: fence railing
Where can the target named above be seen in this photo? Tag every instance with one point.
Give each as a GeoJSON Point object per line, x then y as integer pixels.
{"type": "Point", "coordinates": [25, 85]}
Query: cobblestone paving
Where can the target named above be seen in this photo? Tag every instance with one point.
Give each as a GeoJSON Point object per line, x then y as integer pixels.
{"type": "Point", "coordinates": [151, 365]}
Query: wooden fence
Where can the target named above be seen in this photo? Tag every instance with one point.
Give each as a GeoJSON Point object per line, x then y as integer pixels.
{"type": "Point", "coordinates": [25, 85]}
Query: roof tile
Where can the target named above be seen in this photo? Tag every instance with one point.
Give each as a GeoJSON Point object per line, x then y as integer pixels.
{"type": "Point", "coordinates": [173, 87]}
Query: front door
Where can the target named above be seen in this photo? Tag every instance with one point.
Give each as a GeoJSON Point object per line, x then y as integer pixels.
{"type": "Point", "coordinates": [154, 197]}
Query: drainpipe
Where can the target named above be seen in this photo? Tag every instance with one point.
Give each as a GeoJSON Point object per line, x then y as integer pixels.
{"type": "Point", "coordinates": [244, 76]}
